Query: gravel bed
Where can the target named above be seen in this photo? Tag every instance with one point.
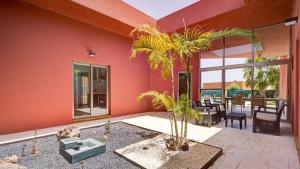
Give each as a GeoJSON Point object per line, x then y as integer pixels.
{"type": "Point", "coordinates": [121, 135]}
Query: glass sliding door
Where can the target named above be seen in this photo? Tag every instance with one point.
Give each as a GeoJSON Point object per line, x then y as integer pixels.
{"type": "Point", "coordinates": [99, 86]}
{"type": "Point", "coordinates": [182, 85]}
{"type": "Point", "coordinates": [82, 90]}
{"type": "Point", "coordinates": [90, 90]}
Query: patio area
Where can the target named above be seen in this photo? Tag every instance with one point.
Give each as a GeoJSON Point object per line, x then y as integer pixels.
{"type": "Point", "coordinates": [150, 84]}
{"type": "Point", "coordinates": [242, 149]}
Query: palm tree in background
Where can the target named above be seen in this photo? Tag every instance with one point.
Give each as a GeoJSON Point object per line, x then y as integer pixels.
{"type": "Point", "coordinates": [162, 49]}
{"type": "Point", "coordinates": [264, 77]}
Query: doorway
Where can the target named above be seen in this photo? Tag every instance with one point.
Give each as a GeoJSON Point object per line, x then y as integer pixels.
{"type": "Point", "coordinates": [90, 90]}
{"type": "Point", "coordinates": [182, 85]}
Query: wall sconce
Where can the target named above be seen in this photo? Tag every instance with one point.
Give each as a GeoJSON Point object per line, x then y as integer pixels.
{"type": "Point", "coordinates": [291, 21]}
{"type": "Point", "coordinates": [92, 54]}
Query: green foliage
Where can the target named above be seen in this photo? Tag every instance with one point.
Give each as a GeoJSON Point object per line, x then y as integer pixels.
{"type": "Point", "coordinates": [161, 51]}
{"type": "Point", "coordinates": [264, 77]}
{"type": "Point", "coordinates": [156, 45]}
{"type": "Point", "coordinates": [234, 86]}
{"type": "Point", "coordinates": [163, 100]}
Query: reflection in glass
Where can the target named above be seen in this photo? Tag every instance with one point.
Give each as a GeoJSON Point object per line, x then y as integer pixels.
{"type": "Point", "coordinates": [99, 91]}
{"type": "Point", "coordinates": [237, 50]}
{"type": "Point", "coordinates": [182, 88]}
{"type": "Point", "coordinates": [214, 56]}
{"type": "Point", "coordinates": [211, 85]}
{"type": "Point", "coordinates": [271, 81]}
{"type": "Point", "coordinates": [81, 82]}
{"type": "Point", "coordinates": [86, 79]}
{"type": "Point", "coordinates": [236, 83]}
{"type": "Point", "coordinates": [275, 41]}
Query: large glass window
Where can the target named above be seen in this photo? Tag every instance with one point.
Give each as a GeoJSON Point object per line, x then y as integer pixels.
{"type": "Point", "coordinates": [275, 42]}
{"type": "Point", "coordinates": [211, 85]}
{"type": "Point", "coordinates": [234, 66]}
{"type": "Point", "coordinates": [214, 56]}
{"type": "Point", "coordinates": [238, 50]}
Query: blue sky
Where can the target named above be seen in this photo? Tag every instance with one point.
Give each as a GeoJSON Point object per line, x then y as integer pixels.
{"type": "Point", "coordinates": [159, 8]}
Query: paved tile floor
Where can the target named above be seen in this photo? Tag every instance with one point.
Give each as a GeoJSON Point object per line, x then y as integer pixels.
{"type": "Point", "coordinates": [242, 149]}
{"type": "Point", "coordinates": [246, 150]}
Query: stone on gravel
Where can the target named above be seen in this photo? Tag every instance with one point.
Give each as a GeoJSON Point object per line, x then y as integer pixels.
{"type": "Point", "coordinates": [10, 162]}
{"type": "Point", "coordinates": [11, 159]}
{"type": "Point", "coordinates": [5, 165]}
{"type": "Point", "coordinates": [68, 133]}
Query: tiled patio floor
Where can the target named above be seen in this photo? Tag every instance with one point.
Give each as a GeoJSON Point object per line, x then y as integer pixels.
{"type": "Point", "coordinates": [242, 149]}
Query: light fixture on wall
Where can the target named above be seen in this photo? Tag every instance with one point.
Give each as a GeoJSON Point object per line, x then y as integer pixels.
{"type": "Point", "coordinates": [291, 21]}
{"type": "Point", "coordinates": [92, 54]}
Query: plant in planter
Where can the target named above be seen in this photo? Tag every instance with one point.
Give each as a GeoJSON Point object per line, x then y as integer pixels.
{"type": "Point", "coordinates": [161, 50]}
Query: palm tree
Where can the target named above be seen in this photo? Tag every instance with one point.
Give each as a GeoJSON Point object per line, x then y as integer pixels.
{"type": "Point", "coordinates": [191, 41]}
{"type": "Point", "coordinates": [162, 49]}
{"type": "Point", "coordinates": [158, 48]}
{"type": "Point", "coordinates": [264, 77]}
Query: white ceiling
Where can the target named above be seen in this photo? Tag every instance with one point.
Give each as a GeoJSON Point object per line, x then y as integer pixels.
{"type": "Point", "coordinates": [158, 9]}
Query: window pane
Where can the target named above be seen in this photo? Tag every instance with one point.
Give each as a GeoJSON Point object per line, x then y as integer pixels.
{"type": "Point", "coordinates": [99, 91]}
{"type": "Point", "coordinates": [214, 56]}
{"type": "Point", "coordinates": [275, 41]}
{"type": "Point", "coordinates": [271, 81]}
{"type": "Point", "coordinates": [236, 83]}
{"type": "Point", "coordinates": [211, 85]}
{"type": "Point", "coordinates": [82, 96]}
{"type": "Point", "coordinates": [238, 50]}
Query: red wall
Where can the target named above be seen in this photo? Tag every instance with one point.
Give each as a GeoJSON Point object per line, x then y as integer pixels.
{"type": "Point", "coordinates": [295, 103]}
{"type": "Point", "coordinates": [156, 82]}
{"type": "Point", "coordinates": [36, 54]}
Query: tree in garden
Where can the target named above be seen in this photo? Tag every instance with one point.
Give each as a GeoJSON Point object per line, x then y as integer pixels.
{"type": "Point", "coordinates": [234, 86]}
{"type": "Point", "coordinates": [161, 50]}
{"type": "Point", "coordinates": [158, 48]}
{"type": "Point", "coordinates": [264, 77]}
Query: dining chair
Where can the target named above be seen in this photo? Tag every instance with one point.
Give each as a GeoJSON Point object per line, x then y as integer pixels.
{"type": "Point", "coordinates": [237, 100]}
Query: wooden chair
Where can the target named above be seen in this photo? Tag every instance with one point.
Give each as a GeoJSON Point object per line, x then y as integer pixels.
{"type": "Point", "coordinates": [219, 108]}
{"type": "Point", "coordinates": [209, 114]}
{"type": "Point", "coordinates": [237, 100]}
{"type": "Point", "coordinates": [268, 118]}
{"type": "Point", "coordinates": [257, 101]}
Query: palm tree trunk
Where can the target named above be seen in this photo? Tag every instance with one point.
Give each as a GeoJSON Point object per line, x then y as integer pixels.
{"type": "Point", "coordinates": [174, 113]}
{"type": "Point", "coordinates": [188, 96]}
{"type": "Point", "coordinates": [181, 130]}
{"type": "Point", "coordinates": [185, 128]}
{"type": "Point", "coordinates": [171, 122]}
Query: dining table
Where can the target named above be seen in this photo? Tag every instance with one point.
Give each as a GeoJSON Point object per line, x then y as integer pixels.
{"type": "Point", "coordinates": [227, 99]}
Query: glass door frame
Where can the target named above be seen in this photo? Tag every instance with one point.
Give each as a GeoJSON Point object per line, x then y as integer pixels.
{"type": "Point", "coordinates": [91, 66]}
{"type": "Point", "coordinates": [252, 65]}
{"type": "Point", "coordinates": [191, 83]}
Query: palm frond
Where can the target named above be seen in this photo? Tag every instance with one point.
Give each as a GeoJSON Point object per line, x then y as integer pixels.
{"type": "Point", "coordinates": [159, 100]}
{"type": "Point", "coordinates": [147, 29]}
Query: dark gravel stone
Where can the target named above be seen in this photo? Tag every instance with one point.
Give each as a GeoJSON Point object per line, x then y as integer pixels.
{"type": "Point", "coordinates": [121, 135]}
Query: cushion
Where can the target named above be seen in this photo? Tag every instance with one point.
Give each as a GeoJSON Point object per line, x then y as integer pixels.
{"type": "Point", "coordinates": [266, 116]}
{"type": "Point", "coordinates": [222, 108]}
{"type": "Point", "coordinates": [206, 113]}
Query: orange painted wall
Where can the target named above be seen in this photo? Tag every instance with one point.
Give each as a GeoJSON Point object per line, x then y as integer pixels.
{"type": "Point", "coordinates": [36, 54]}
{"type": "Point", "coordinates": [157, 83]}
{"type": "Point", "coordinates": [295, 82]}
